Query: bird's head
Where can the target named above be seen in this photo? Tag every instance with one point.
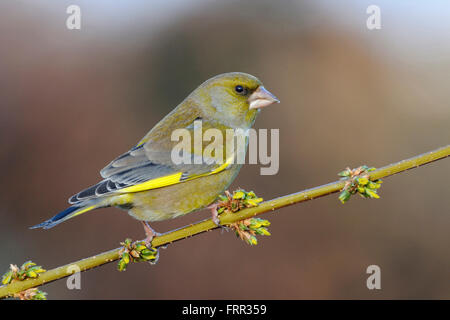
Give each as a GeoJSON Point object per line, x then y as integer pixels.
{"type": "Point", "coordinates": [235, 98]}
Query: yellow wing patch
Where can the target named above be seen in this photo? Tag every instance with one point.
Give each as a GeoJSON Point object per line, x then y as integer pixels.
{"type": "Point", "coordinates": [83, 211]}
{"type": "Point", "coordinates": [219, 169]}
{"type": "Point", "coordinates": [171, 180]}
{"type": "Point", "coordinates": [154, 183]}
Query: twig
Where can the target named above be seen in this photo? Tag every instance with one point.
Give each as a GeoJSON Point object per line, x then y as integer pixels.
{"type": "Point", "coordinates": [225, 219]}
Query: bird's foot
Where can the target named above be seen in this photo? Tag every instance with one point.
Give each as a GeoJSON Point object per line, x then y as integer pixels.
{"type": "Point", "coordinates": [215, 214]}
{"type": "Point", "coordinates": [149, 233]}
{"type": "Point", "coordinates": [217, 208]}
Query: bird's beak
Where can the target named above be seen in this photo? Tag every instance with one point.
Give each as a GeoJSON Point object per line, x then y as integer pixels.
{"type": "Point", "coordinates": [261, 98]}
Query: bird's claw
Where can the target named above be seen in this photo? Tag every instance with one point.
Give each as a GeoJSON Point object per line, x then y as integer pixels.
{"type": "Point", "coordinates": [215, 216]}
{"type": "Point", "coordinates": [149, 233]}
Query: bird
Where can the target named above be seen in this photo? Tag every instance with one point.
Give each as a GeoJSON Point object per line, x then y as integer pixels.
{"type": "Point", "coordinates": [150, 185]}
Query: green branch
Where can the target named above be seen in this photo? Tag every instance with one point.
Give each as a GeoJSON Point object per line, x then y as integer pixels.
{"type": "Point", "coordinates": [225, 219]}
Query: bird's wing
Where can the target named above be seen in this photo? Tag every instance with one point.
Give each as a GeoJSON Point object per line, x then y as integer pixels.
{"type": "Point", "coordinates": [149, 165]}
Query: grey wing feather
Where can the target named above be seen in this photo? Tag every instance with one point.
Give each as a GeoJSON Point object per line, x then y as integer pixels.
{"type": "Point", "coordinates": [142, 163]}
{"type": "Point", "coordinates": [124, 172]}
{"type": "Point", "coordinates": [128, 169]}
{"type": "Point", "coordinates": [136, 157]}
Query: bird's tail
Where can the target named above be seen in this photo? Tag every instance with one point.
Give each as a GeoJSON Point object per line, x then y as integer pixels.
{"type": "Point", "coordinates": [70, 212]}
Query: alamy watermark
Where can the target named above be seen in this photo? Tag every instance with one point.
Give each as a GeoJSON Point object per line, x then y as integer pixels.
{"type": "Point", "coordinates": [374, 280]}
{"type": "Point", "coordinates": [74, 281]}
{"type": "Point", "coordinates": [73, 21]}
{"type": "Point", "coordinates": [226, 148]}
{"type": "Point", "coordinates": [373, 22]}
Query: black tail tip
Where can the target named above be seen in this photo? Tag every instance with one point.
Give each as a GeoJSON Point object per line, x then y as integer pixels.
{"type": "Point", "coordinates": [50, 223]}
{"type": "Point", "coordinates": [44, 225]}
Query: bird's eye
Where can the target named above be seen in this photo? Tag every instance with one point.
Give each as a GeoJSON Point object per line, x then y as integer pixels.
{"type": "Point", "coordinates": [240, 90]}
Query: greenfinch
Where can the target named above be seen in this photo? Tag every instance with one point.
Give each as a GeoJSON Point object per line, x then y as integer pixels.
{"type": "Point", "coordinates": [146, 181]}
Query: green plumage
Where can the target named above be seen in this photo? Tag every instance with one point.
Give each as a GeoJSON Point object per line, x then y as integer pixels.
{"type": "Point", "coordinates": [218, 104]}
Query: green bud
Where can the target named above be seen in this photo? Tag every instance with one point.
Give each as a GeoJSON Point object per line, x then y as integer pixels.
{"type": "Point", "coordinates": [223, 198]}
{"type": "Point", "coordinates": [21, 275]}
{"type": "Point", "coordinates": [40, 295]}
{"type": "Point", "coordinates": [253, 202]}
{"type": "Point", "coordinates": [37, 269]}
{"type": "Point", "coordinates": [239, 195]}
{"type": "Point", "coordinates": [255, 224]}
{"type": "Point", "coordinates": [264, 222]}
{"type": "Point", "coordinates": [7, 277]}
{"type": "Point", "coordinates": [140, 247]}
{"type": "Point", "coordinates": [372, 194]}
{"type": "Point", "coordinates": [362, 181]}
{"type": "Point", "coordinates": [28, 264]}
{"type": "Point", "coordinates": [126, 258]}
{"type": "Point", "coordinates": [372, 185]}
{"type": "Point", "coordinates": [243, 227]}
{"type": "Point", "coordinates": [344, 196]}
{"type": "Point", "coordinates": [252, 241]}
{"type": "Point", "coordinates": [121, 266]}
{"type": "Point", "coordinates": [150, 258]}
{"type": "Point", "coordinates": [344, 173]}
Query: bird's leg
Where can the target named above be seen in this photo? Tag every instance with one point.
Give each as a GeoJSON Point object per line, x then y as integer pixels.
{"type": "Point", "coordinates": [150, 233]}
{"type": "Point", "coordinates": [228, 194]}
{"type": "Point", "coordinates": [214, 214]}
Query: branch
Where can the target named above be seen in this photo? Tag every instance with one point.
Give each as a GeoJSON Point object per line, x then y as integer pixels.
{"type": "Point", "coordinates": [225, 219]}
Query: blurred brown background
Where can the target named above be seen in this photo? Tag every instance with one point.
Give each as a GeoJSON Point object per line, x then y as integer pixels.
{"type": "Point", "coordinates": [71, 101]}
